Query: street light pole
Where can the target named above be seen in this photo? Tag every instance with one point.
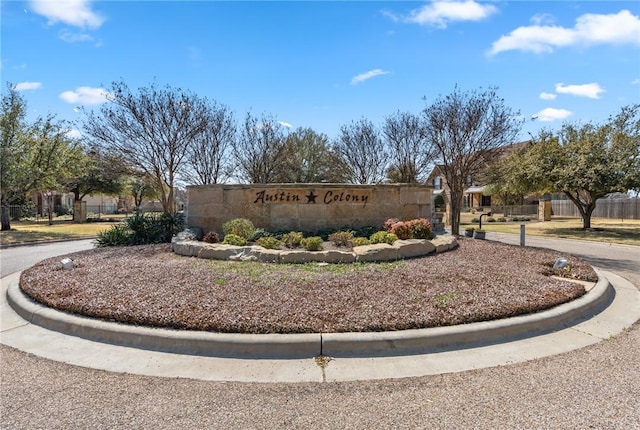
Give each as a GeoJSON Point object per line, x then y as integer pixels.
{"type": "Point", "coordinates": [487, 214]}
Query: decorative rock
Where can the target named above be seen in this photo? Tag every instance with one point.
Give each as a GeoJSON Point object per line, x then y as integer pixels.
{"type": "Point", "coordinates": [444, 243]}
{"type": "Point", "coordinates": [187, 248]}
{"type": "Point", "coordinates": [220, 251]}
{"type": "Point", "coordinates": [376, 252]}
{"type": "Point", "coordinates": [191, 233]}
{"type": "Point", "coordinates": [330, 256]}
{"type": "Point", "coordinates": [379, 252]}
{"type": "Point", "coordinates": [413, 248]}
{"type": "Point", "coordinates": [264, 255]}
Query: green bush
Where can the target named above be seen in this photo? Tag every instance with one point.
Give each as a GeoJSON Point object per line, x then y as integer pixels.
{"type": "Point", "coordinates": [341, 238]}
{"type": "Point", "coordinates": [234, 239]}
{"type": "Point", "coordinates": [383, 237]}
{"type": "Point", "coordinates": [292, 239]}
{"type": "Point", "coordinates": [269, 242]}
{"type": "Point", "coordinates": [313, 243]}
{"type": "Point", "coordinates": [475, 219]}
{"type": "Point", "coordinates": [143, 230]}
{"type": "Point", "coordinates": [420, 228]}
{"type": "Point", "coordinates": [261, 232]}
{"type": "Point", "coordinates": [240, 227]}
{"type": "Point", "coordinates": [401, 229]}
{"type": "Point", "coordinates": [360, 241]}
{"type": "Point", "coordinates": [491, 219]}
{"type": "Point", "coordinates": [116, 235]}
{"type": "Point", "coordinates": [502, 219]}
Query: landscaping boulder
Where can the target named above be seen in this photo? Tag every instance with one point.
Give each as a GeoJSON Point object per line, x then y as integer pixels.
{"type": "Point", "coordinates": [376, 252]}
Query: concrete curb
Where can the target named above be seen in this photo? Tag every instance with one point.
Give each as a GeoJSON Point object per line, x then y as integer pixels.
{"type": "Point", "coordinates": [296, 346]}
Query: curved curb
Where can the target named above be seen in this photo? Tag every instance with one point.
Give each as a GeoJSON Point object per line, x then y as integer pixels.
{"type": "Point", "coordinates": [296, 346]}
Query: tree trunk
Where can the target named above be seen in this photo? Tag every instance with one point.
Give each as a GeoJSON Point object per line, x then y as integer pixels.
{"type": "Point", "coordinates": [6, 218]}
{"type": "Point", "coordinates": [456, 205]}
{"type": "Point", "coordinates": [585, 209]}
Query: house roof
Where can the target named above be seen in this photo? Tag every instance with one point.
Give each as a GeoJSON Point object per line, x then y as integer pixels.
{"type": "Point", "coordinates": [475, 189]}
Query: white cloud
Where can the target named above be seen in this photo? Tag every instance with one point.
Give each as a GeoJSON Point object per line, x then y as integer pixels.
{"type": "Point", "coordinates": [85, 96]}
{"type": "Point", "coordinates": [551, 114]}
{"type": "Point", "coordinates": [23, 86]}
{"type": "Point", "coordinates": [636, 81]}
{"type": "Point", "coordinates": [368, 75]}
{"type": "Point", "coordinates": [285, 124]}
{"type": "Point", "coordinates": [548, 96]}
{"type": "Point", "coordinates": [76, 13]}
{"type": "Point", "coordinates": [592, 90]}
{"type": "Point", "coordinates": [543, 18]}
{"type": "Point", "coordinates": [71, 37]}
{"type": "Point", "coordinates": [590, 29]}
{"type": "Point", "coordinates": [74, 134]}
{"type": "Point", "coordinates": [441, 13]}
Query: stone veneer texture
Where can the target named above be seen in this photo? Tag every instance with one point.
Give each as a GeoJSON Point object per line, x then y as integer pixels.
{"type": "Point", "coordinates": [306, 207]}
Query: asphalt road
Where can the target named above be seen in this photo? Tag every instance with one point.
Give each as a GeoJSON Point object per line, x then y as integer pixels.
{"type": "Point", "coordinates": [593, 387]}
{"type": "Point", "coordinates": [14, 259]}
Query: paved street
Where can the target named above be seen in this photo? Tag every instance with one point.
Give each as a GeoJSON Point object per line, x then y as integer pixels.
{"type": "Point", "coordinates": [593, 387]}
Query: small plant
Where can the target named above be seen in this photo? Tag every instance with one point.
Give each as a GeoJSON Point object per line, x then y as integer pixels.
{"type": "Point", "coordinates": [269, 242]}
{"type": "Point", "coordinates": [420, 228]}
{"type": "Point", "coordinates": [475, 220]}
{"type": "Point", "coordinates": [442, 300]}
{"type": "Point", "coordinates": [234, 239]}
{"type": "Point", "coordinates": [502, 219]}
{"type": "Point", "coordinates": [401, 229]}
{"type": "Point", "coordinates": [341, 238]}
{"type": "Point", "coordinates": [211, 237]}
{"type": "Point", "coordinates": [292, 239]}
{"type": "Point", "coordinates": [240, 227]}
{"type": "Point", "coordinates": [116, 235]}
{"type": "Point", "coordinates": [360, 241]}
{"type": "Point", "coordinates": [491, 219]}
{"type": "Point", "coordinates": [383, 237]}
{"type": "Point", "coordinates": [261, 232]}
{"type": "Point", "coordinates": [313, 243]}
{"type": "Point", "coordinates": [473, 211]}
{"type": "Point", "coordinates": [388, 224]}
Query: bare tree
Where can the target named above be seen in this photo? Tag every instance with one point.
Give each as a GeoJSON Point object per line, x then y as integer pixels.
{"type": "Point", "coordinates": [257, 151]}
{"type": "Point", "coordinates": [362, 152]}
{"type": "Point", "coordinates": [151, 130]}
{"type": "Point", "coordinates": [207, 159]}
{"type": "Point", "coordinates": [411, 154]}
{"type": "Point", "coordinates": [467, 129]}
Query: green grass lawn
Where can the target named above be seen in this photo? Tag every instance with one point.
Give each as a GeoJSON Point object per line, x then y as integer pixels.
{"type": "Point", "coordinates": [602, 229]}
{"type": "Point", "coordinates": [30, 231]}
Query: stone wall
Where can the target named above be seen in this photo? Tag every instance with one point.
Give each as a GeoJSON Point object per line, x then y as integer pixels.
{"type": "Point", "coordinates": [306, 207]}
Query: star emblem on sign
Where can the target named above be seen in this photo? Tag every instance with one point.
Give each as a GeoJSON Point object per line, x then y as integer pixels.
{"type": "Point", "coordinates": [311, 197]}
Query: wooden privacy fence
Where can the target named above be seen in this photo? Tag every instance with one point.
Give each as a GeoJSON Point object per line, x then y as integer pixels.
{"type": "Point", "coordinates": [625, 208]}
{"type": "Point", "coordinates": [511, 210]}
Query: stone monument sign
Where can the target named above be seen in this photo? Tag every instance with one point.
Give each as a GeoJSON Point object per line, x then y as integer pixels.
{"type": "Point", "coordinates": [306, 207]}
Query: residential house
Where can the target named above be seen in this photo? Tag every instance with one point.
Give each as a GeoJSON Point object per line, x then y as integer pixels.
{"type": "Point", "coordinates": [476, 195]}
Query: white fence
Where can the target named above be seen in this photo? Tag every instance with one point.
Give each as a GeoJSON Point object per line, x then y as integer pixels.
{"type": "Point", "coordinates": [625, 208]}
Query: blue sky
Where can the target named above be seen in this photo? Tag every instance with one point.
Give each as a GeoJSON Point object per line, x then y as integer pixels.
{"type": "Point", "coordinates": [323, 64]}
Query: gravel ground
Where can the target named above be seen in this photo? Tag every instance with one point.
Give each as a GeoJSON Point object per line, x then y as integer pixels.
{"type": "Point", "coordinates": [587, 388]}
{"type": "Point", "coordinates": [594, 387]}
{"type": "Point", "coordinates": [151, 286]}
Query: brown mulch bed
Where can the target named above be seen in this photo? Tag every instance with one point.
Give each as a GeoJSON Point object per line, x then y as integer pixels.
{"type": "Point", "coordinates": [149, 285]}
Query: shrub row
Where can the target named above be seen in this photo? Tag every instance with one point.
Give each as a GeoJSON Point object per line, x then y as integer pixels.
{"type": "Point", "coordinates": [240, 231]}
{"type": "Point", "coordinates": [142, 230]}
